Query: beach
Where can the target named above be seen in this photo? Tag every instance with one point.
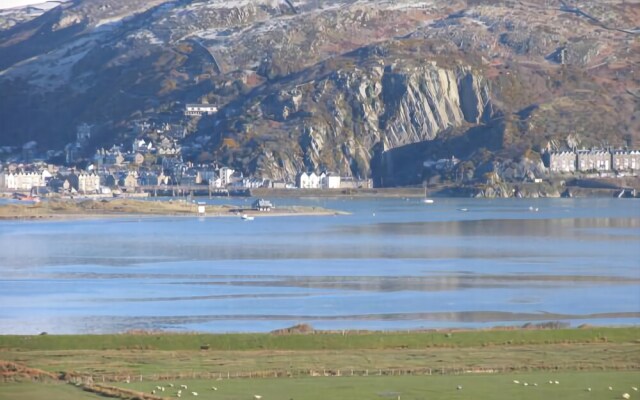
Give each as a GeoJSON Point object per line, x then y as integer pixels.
{"type": "Point", "coordinates": [82, 209]}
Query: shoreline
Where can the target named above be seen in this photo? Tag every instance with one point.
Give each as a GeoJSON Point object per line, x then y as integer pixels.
{"type": "Point", "coordinates": [65, 217]}
{"type": "Point", "coordinates": [56, 210]}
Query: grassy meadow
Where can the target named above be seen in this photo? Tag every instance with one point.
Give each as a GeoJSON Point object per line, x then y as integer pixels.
{"type": "Point", "coordinates": [572, 385]}
{"type": "Point", "coordinates": [354, 365]}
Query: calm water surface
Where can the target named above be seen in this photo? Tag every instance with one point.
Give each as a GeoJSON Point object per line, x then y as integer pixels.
{"type": "Point", "coordinates": [391, 264]}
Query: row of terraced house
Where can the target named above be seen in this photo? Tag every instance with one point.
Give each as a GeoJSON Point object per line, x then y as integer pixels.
{"type": "Point", "coordinates": [595, 160]}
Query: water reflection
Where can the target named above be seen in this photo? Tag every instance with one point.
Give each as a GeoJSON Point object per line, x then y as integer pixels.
{"type": "Point", "coordinates": [407, 266]}
{"type": "Point", "coordinates": [565, 227]}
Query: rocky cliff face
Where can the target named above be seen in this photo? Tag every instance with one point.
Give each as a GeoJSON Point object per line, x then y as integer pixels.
{"type": "Point", "coordinates": [345, 118]}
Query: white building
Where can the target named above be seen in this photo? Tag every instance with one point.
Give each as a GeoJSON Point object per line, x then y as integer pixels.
{"type": "Point", "coordinates": [200, 109]}
{"type": "Point", "coordinates": [563, 161]}
{"type": "Point", "coordinates": [330, 181]}
{"type": "Point", "coordinates": [224, 177]}
{"type": "Point", "coordinates": [308, 181]}
{"type": "Point", "coordinates": [22, 180]}
{"type": "Point", "coordinates": [626, 160]}
{"type": "Point", "coordinates": [88, 183]}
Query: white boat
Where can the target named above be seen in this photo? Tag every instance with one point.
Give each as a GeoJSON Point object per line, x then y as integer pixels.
{"type": "Point", "coordinates": [246, 217]}
{"type": "Point", "coordinates": [426, 200]}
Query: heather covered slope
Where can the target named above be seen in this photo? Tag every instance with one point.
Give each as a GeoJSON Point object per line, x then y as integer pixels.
{"type": "Point", "coordinates": [330, 84]}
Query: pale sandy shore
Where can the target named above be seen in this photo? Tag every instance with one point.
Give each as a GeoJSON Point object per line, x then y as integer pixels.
{"type": "Point", "coordinates": [91, 209]}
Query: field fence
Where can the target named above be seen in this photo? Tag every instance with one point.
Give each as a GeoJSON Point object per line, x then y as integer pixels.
{"type": "Point", "coordinates": [298, 373]}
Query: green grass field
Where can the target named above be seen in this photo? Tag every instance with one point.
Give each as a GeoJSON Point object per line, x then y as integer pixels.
{"type": "Point", "coordinates": [578, 358]}
{"type": "Point", "coordinates": [572, 385]}
{"type": "Point", "coordinates": [501, 386]}
{"type": "Point", "coordinates": [320, 341]}
{"type": "Point", "coordinates": [44, 391]}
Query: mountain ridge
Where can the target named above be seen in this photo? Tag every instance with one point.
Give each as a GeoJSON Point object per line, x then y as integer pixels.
{"type": "Point", "coordinates": [332, 85]}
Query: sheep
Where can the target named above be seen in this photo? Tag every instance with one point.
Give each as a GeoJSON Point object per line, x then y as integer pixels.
{"type": "Point", "coordinates": [516, 382]}
{"type": "Point", "coordinates": [214, 388]}
{"type": "Point", "coordinates": [556, 382]}
{"type": "Point", "coordinates": [179, 395]}
{"type": "Point", "coordinates": [459, 387]}
{"type": "Point", "coordinates": [257, 396]}
{"type": "Point", "coordinates": [153, 392]}
{"type": "Point", "coordinates": [194, 393]}
{"type": "Point", "coordinates": [535, 384]}
{"type": "Point", "coordinates": [171, 385]}
{"type": "Point", "coordinates": [525, 384]}
{"type": "Point", "coordinates": [588, 389]}
{"type": "Point", "coordinates": [610, 388]}
{"type": "Point", "coordinates": [635, 389]}
{"type": "Point", "coordinates": [626, 396]}
{"type": "Point", "coordinates": [183, 386]}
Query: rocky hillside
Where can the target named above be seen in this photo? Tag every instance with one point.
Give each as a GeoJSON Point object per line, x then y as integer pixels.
{"type": "Point", "coordinates": [364, 88]}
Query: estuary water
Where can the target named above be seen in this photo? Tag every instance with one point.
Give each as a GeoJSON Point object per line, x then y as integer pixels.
{"type": "Point", "coordinates": [390, 264]}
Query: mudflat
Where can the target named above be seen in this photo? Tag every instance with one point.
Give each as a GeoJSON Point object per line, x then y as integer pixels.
{"type": "Point", "coordinates": [70, 209]}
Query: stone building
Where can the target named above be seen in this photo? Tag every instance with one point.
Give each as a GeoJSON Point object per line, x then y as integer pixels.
{"type": "Point", "coordinates": [88, 183]}
{"type": "Point", "coordinates": [563, 161]}
{"type": "Point", "coordinates": [625, 160]}
{"type": "Point", "coordinates": [593, 160]}
{"type": "Point", "coordinates": [22, 180]}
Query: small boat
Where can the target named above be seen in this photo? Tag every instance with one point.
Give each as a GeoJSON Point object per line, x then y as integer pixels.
{"type": "Point", "coordinates": [426, 200]}
{"type": "Point", "coordinates": [246, 217]}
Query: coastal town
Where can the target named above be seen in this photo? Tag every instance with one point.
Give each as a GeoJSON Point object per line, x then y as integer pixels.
{"type": "Point", "coordinates": [153, 164]}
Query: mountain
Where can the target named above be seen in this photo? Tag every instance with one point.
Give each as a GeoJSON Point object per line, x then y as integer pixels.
{"type": "Point", "coordinates": [363, 88]}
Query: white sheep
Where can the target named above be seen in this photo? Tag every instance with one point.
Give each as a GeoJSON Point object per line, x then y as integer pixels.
{"type": "Point", "coordinates": [556, 382]}
{"type": "Point", "coordinates": [257, 396]}
{"type": "Point", "coordinates": [194, 393]}
{"type": "Point", "coordinates": [459, 387]}
{"type": "Point", "coordinates": [183, 386]}
{"type": "Point", "coordinates": [588, 389]}
{"type": "Point", "coordinates": [516, 382]}
{"type": "Point", "coordinates": [214, 388]}
{"type": "Point", "coordinates": [626, 396]}
{"type": "Point", "coordinates": [610, 388]}
{"type": "Point", "coordinates": [635, 389]}
{"type": "Point", "coordinates": [153, 392]}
